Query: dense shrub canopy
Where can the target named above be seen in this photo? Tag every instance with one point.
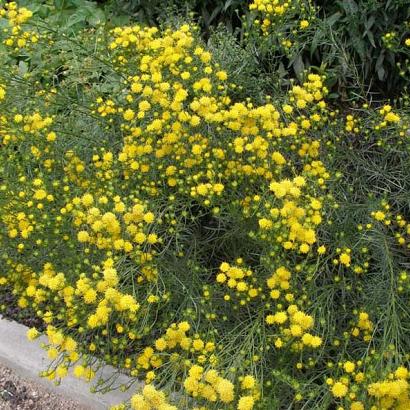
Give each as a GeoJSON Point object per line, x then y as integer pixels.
{"type": "Point", "coordinates": [236, 240]}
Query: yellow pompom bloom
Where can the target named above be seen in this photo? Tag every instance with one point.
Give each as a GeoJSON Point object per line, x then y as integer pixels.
{"type": "Point", "coordinates": [349, 367]}
{"type": "Point", "coordinates": [160, 344]}
{"type": "Point", "coordinates": [357, 405]}
{"type": "Point", "coordinates": [40, 194]}
{"type": "Point", "coordinates": [149, 217]}
{"type": "Point", "coordinates": [339, 390]}
{"type": "Point", "coordinates": [79, 371]}
{"type": "Point", "coordinates": [51, 136]}
{"type": "Point", "coordinates": [270, 319]}
{"type": "Point", "coordinates": [345, 259]}
{"type": "Point", "coordinates": [129, 115]}
{"type": "Point", "coordinates": [246, 403]}
{"type": "Point", "coordinates": [248, 382]}
{"type": "Point", "coordinates": [32, 333]}
{"type": "Point", "coordinates": [225, 390]}
{"type": "Point", "coordinates": [401, 373]}
{"type": "Point", "coordinates": [138, 403]}
{"type": "Point", "coordinates": [83, 236]}
{"type": "Point", "coordinates": [304, 24]}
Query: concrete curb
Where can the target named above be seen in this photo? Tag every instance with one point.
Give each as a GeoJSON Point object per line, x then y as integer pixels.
{"type": "Point", "coordinates": [28, 359]}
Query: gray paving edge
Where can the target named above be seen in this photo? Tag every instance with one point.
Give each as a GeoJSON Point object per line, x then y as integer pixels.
{"type": "Point", "coordinates": [27, 359]}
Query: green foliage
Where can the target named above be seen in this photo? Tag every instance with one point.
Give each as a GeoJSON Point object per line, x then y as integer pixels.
{"type": "Point", "coordinates": [209, 13]}
{"type": "Point", "coordinates": [360, 44]}
{"type": "Point", "coordinates": [67, 15]}
{"type": "Point", "coordinates": [357, 29]}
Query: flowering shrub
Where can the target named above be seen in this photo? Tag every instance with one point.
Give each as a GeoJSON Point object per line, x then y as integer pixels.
{"type": "Point", "coordinates": [191, 239]}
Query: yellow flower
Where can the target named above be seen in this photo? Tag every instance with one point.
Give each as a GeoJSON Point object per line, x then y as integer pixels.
{"type": "Point", "coordinates": [83, 236]}
{"type": "Point", "coordinates": [61, 371]}
{"type": "Point", "coordinates": [138, 403]}
{"type": "Point", "coordinates": [51, 136]}
{"type": "Point", "coordinates": [280, 317]}
{"type": "Point", "coordinates": [32, 333]}
{"type": "Point", "coordinates": [40, 194]}
{"type": "Point", "coordinates": [225, 390]}
{"type": "Point", "coordinates": [222, 75]}
{"type": "Point", "coordinates": [304, 248]}
{"type": "Point", "coordinates": [246, 403]}
{"type": "Point", "coordinates": [198, 344]}
{"type": "Point", "coordinates": [339, 390]}
{"type": "Point", "coordinates": [401, 373]}
{"type": "Point", "coordinates": [248, 382]}
{"type": "Point", "coordinates": [345, 259]}
{"type": "Point", "coordinates": [304, 24]}
{"type": "Point", "coordinates": [160, 344]}
{"type": "Point", "coordinates": [149, 217]}
{"type": "Point", "coordinates": [349, 367]}
{"type": "Point", "coordinates": [357, 405]}
{"type": "Point", "coordinates": [265, 223]}
{"type": "Point", "coordinates": [90, 296]}
{"type": "Point", "coordinates": [129, 115]}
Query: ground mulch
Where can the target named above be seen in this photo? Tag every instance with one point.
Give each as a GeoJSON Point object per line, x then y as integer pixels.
{"type": "Point", "coordinates": [9, 309]}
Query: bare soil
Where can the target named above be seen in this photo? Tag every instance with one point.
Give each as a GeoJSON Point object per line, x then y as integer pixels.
{"type": "Point", "coordinates": [16, 393]}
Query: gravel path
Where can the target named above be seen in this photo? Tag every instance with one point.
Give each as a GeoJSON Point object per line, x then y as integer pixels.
{"type": "Point", "coordinates": [19, 394]}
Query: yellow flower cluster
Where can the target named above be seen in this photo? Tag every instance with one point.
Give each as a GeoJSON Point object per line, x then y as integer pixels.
{"type": "Point", "coordinates": [396, 222]}
{"type": "Point", "coordinates": [33, 124]}
{"type": "Point", "coordinates": [237, 278]}
{"type": "Point", "coordinates": [64, 347]}
{"type": "Point", "coordinates": [20, 226]}
{"type": "Point", "coordinates": [108, 206]}
{"type": "Point", "coordinates": [209, 385]}
{"type": "Point", "coordinates": [176, 342]}
{"type": "Point", "coordinates": [121, 229]}
{"type": "Point", "coordinates": [298, 323]}
{"type": "Point", "coordinates": [151, 399]}
{"type": "Point", "coordinates": [297, 220]}
{"type": "Point", "coordinates": [389, 117]}
{"type": "Point", "coordinates": [392, 393]}
{"type": "Point", "coordinates": [175, 336]}
{"type": "Point", "coordinates": [16, 17]}
{"type": "Point", "coordinates": [176, 231]}
{"type": "Point", "coordinates": [274, 11]}
{"type": "Point", "coordinates": [352, 124]}
{"type": "Point", "coordinates": [349, 384]}
{"type": "Point", "coordinates": [364, 325]}
{"type": "Point", "coordinates": [185, 102]}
